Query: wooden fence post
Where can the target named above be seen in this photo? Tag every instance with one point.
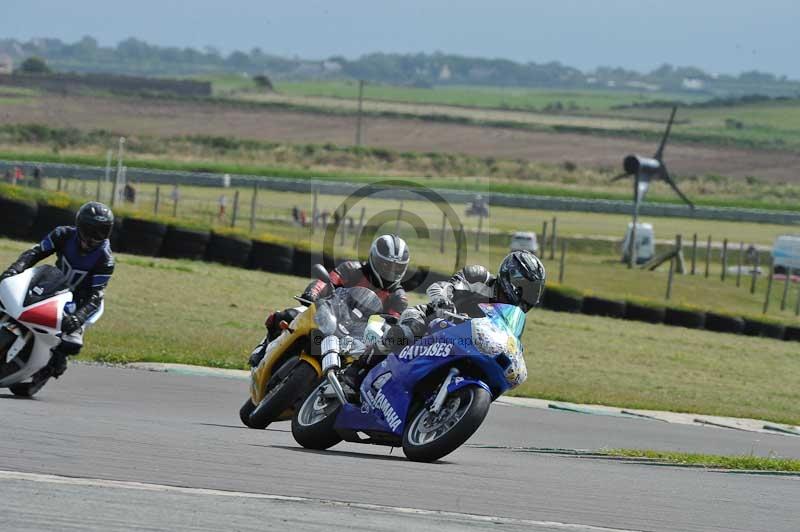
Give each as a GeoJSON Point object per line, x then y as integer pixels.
{"type": "Point", "coordinates": [754, 274]}
{"type": "Point", "coordinates": [175, 198]}
{"type": "Point", "coordinates": [253, 208]}
{"type": "Point", "coordinates": [357, 235]}
{"type": "Point", "coordinates": [235, 213]}
{"type": "Point", "coordinates": [786, 288]}
{"type": "Point", "coordinates": [343, 228]}
{"type": "Point", "coordinates": [59, 184]}
{"type": "Point", "coordinates": [724, 259]}
{"type": "Point", "coordinates": [669, 278]}
{"type": "Point", "coordinates": [478, 234]}
{"type": "Point", "coordinates": [460, 238]}
{"type": "Point", "coordinates": [797, 305]}
{"type": "Point", "coordinates": [314, 212]}
{"type": "Point", "coordinates": [561, 262]}
{"type": "Point", "coordinates": [397, 220]}
{"type": "Point", "coordinates": [158, 200]}
{"type": "Point", "coordinates": [739, 266]}
{"type": "Point", "coordinates": [553, 237]}
{"type": "Point", "coordinates": [441, 236]}
{"type": "Point", "coordinates": [694, 252]}
{"type": "Point", "coordinates": [769, 288]}
{"type": "Point", "coordinates": [543, 243]}
{"type": "Point", "coordinates": [708, 254]}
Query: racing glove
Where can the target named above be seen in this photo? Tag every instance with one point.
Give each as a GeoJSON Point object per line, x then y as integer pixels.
{"type": "Point", "coordinates": [441, 304]}
{"type": "Point", "coordinates": [10, 272]}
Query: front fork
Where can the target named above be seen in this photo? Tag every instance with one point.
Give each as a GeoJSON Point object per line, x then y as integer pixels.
{"type": "Point", "coordinates": [441, 395]}
{"type": "Point", "coordinates": [331, 363]}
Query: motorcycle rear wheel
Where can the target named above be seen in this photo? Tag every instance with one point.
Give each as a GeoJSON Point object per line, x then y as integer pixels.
{"type": "Point", "coordinates": [312, 425]}
{"type": "Point", "coordinates": [27, 389]}
{"type": "Point", "coordinates": [283, 394]}
{"type": "Point", "coordinates": [429, 437]}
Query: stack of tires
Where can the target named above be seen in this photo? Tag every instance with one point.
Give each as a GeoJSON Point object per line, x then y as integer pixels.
{"type": "Point", "coordinates": [17, 217]}
{"type": "Point", "coordinates": [562, 300]}
{"type": "Point", "coordinates": [185, 243]}
{"type": "Point", "coordinates": [49, 217]}
{"type": "Point", "coordinates": [142, 237]}
{"type": "Point", "coordinates": [272, 257]}
{"type": "Point", "coordinates": [229, 249]}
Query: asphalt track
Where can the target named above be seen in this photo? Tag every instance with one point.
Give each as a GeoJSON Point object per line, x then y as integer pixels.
{"type": "Point", "coordinates": [119, 449]}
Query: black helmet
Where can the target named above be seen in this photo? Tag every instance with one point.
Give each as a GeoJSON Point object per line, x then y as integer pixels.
{"type": "Point", "coordinates": [521, 279]}
{"type": "Point", "coordinates": [94, 222]}
{"type": "Point", "coordinates": [388, 258]}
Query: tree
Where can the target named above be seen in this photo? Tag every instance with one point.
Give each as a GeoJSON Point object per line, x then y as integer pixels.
{"type": "Point", "coordinates": [34, 65]}
{"type": "Point", "coordinates": [263, 82]}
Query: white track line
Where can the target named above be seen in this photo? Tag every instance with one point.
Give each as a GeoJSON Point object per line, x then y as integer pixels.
{"type": "Point", "coordinates": [142, 486]}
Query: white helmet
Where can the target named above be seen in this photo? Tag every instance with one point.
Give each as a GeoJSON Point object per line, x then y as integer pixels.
{"type": "Point", "coordinates": [388, 258]}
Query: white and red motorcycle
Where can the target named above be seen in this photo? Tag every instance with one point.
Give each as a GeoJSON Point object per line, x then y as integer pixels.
{"type": "Point", "coordinates": [32, 305]}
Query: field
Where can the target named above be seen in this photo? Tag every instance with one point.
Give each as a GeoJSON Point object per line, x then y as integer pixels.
{"type": "Point", "coordinates": [274, 122]}
{"type": "Point", "coordinates": [572, 358]}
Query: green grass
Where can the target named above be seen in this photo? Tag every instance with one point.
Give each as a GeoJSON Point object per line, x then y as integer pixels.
{"type": "Point", "coordinates": [745, 462]}
{"type": "Point", "coordinates": [199, 313]}
{"type": "Point", "coordinates": [515, 98]}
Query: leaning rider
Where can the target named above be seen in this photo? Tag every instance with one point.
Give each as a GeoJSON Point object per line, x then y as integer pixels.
{"type": "Point", "coordinates": [84, 256]}
{"type": "Point", "coordinates": [382, 273]}
{"type": "Point", "coordinates": [520, 281]}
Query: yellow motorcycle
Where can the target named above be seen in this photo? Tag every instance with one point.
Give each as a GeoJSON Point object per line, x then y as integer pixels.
{"type": "Point", "coordinates": [291, 367]}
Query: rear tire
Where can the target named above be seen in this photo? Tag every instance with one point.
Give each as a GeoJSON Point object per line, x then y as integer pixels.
{"type": "Point", "coordinates": [312, 425]}
{"type": "Point", "coordinates": [27, 389]}
{"type": "Point", "coordinates": [283, 394]}
{"type": "Point", "coordinates": [466, 409]}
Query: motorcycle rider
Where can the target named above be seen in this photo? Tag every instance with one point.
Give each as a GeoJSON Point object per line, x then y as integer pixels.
{"type": "Point", "coordinates": [519, 281]}
{"type": "Point", "coordinates": [84, 256]}
{"type": "Point", "coordinates": [382, 272]}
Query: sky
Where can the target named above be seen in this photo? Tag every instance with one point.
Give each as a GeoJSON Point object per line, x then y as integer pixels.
{"type": "Point", "coordinates": [719, 36]}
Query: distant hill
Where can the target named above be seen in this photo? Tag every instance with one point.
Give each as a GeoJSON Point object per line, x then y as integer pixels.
{"type": "Point", "coordinates": [133, 56]}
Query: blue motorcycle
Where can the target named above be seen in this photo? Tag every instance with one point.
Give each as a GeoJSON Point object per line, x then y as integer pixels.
{"type": "Point", "coordinates": [429, 397]}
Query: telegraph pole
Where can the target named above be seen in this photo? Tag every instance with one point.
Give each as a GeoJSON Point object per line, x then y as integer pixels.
{"type": "Point", "coordinates": [360, 110]}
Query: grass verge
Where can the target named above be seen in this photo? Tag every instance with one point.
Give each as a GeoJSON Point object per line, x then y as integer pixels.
{"type": "Point", "coordinates": [714, 461]}
{"type": "Point", "coordinates": [161, 310]}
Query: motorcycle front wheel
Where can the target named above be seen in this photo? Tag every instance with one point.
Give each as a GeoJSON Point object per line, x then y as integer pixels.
{"type": "Point", "coordinates": [429, 437]}
{"type": "Point", "coordinates": [312, 425]}
{"type": "Point", "coordinates": [283, 393]}
{"type": "Point", "coordinates": [27, 389]}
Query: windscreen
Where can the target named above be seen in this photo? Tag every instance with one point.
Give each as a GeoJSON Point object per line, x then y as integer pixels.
{"type": "Point", "coordinates": [46, 282]}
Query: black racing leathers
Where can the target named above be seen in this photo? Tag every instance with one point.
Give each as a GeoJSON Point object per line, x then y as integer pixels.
{"type": "Point", "coordinates": [464, 291]}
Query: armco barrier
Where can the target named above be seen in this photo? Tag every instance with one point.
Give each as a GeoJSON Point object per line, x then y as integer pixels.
{"type": "Point", "coordinates": [337, 188]}
{"type": "Point", "coordinates": [147, 238]}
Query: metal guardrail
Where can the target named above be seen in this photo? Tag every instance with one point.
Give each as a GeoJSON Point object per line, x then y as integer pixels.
{"type": "Point", "coordinates": [339, 188]}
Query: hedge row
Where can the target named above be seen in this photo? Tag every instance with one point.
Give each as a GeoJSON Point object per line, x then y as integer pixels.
{"type": "Point", "coordinates": [25, 219]}
{"type": "Point", "coordinates": [567, 300]}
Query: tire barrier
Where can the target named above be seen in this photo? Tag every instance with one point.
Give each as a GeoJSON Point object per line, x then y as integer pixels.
{"type": "Point", "coordinates": [561, 301]}
{"type": "Point", "coordinates": [48, 218]}
{"type": "Point", "coordinates": [142, 237]}
{"type": "Point", "coordinates": [792, 334]}
{"type": "Point", "coordinates": [303, 260]}
{"type": "Point", "coordinates": [773, 330]}
{"type": "Point", "coordinates": [725, 324]}
{"type": "Point", "coordinates": [644, 313]}
{"type": "Point", "coordinates": [270, 257]}
{"type": "Point", "coordinates": [752, 327]}
{"type": "Point", "coordinates": [185, 243]}
{"type": "Point", "coordinates": [17, 217]}
{"type": "Point", "coordinates": [690, 319]}
{"type": "Point", "coordinates": [598, 306]}
{"type": "Point", "coordinates": [231, 250]}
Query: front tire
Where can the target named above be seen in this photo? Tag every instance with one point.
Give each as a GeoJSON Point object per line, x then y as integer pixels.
{"type": "Point", "coordinates": [429, 437]}
{"type": "Point", "coordinates": [245, 411]}
{"type": "Point", "coordinates": [283, 394]}
{"type": "Point", "coordinates": [312, 425]}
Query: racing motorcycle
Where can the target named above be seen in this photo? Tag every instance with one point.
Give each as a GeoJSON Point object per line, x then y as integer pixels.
{"type": "Point", "coordinates": [32, 305]}
{"type": "Point", "coordinates": [291, 364]}
{"type": "Point", "coordinates": [429, 397]}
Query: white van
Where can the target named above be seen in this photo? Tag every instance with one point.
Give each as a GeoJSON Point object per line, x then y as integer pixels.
{"type": "Point", "coordinates": [521, 241]}
{"type": "Point", "coordinates": [645, 242]}
{"type": "Point", "coordinates": [786, 253]}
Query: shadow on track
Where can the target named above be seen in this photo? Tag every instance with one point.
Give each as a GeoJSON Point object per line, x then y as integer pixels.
{"type": "Point", "coordinates": [349, 454]}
